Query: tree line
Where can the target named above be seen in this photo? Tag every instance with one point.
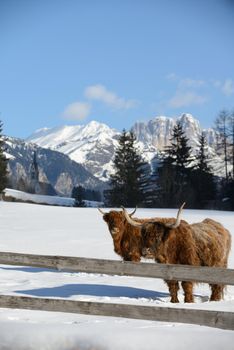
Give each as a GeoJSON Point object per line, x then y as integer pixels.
{"type": "Point", "coordinates": [179, 175]}
{"type": "Point", "coordinates": [176, 176]}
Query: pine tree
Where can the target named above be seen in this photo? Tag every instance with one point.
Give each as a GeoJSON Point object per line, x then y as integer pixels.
{"type": "Point", "coordinates": [202, 158]}
{"type": "Point", "coordinates": [175, 172]}
{"type": "Point", "coordinates": [3, 163]}
{"type": "Point", "coordinates": [127, 183]}
{"type": "Point", "coordinates": [203, 179]}
{"type": "Point", "coordinates": [78, 193]}
{"type": "Point", "coordinates": [179, 152]}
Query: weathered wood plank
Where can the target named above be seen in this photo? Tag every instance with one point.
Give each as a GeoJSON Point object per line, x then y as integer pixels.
{"type": "Point", "coordinates": [112, 267]}
{"type": "Point", "coordinates": [217, 319]}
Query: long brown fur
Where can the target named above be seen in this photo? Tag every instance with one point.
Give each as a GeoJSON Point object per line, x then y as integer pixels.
{"type": "Point", "coordinates": [127, 239]}
{"type": "Point", "coordinates": [206, 243]}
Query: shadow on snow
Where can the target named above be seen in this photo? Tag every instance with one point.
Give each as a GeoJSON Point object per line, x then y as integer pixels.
{"type": "Point", "coordinates": [97, 290]}
{"type": "Point", "coordinates": [30, 269]}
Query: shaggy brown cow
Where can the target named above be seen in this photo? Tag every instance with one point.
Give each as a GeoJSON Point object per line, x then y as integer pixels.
{"type": "Point", "coordinates": [126, 238]}
{"type": "Point", "coordinates": [206, 243]}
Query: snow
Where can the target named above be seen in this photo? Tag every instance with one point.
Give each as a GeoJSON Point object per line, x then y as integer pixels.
{"type": "Point", "coordinates": [8, 155]}
{"type": "Point", "coordinates": [43, 199]}
{"type": "Point", "coordinates": [39, 229]}
{"type": "Point", "coordinates": [68, 137]}
{"type": "Point", "coordinates": [85, 143]}
{"type": "Point", "coordinates": [40, 199]}
{"type": "Point", "coordinates": [82, 143]}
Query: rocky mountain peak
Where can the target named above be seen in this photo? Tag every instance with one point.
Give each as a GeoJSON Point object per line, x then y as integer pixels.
{"type": "Point", "coordinates": [93, 145]}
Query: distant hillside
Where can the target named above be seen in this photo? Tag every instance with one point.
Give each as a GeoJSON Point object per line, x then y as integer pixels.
{"type": "Point", "coordinates": [55, 168]}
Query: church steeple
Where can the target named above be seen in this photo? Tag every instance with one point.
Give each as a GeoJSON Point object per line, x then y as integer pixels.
{"type": "Point", "coordinates": [34, 171]}
{"type": "Point", "coordinates": [34, 175]}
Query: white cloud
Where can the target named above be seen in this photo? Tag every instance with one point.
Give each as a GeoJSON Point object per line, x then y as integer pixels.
{"type": "Point", "coordinates": [228, 87]}
{"type": "Point", "coordinates": [185, 82]}
{"type": "Point", "coordinates": [191, 83]}
{"type": "Point", "coordinates": [100, 93]}
{"type": "Point", "coordinates": [187, 91]}
{"type": "Point", "coordinates": [77, 111]}
{"type": "Point", "coordinates": [172, 76]}
{"type": "Point", "coordinates": [191, 91]}
{"type": "Point", "coordinates": [217, 83]}
{"type": "Point", "coordinates": [186, 99]}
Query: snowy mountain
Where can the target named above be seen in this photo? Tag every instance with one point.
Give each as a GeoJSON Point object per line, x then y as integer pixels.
{"type": "Point", "coordinates": [55, 169]}
{"type": "Point", "coordinates": [157, 132]}
{"type": "Point", "coordinates": [93, 145]}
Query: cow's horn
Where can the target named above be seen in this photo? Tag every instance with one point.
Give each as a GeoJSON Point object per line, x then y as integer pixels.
{"type": "Point", "coordinates": [130, 220]}
{"type": "Point", "coordinates": [131, 214]}
{"type": "Point", "coordinates": [178, 219]}
{"type": "Point", "coordinates": [101, 211]}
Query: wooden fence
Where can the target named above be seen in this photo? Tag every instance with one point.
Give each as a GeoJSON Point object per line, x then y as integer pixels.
{"type": "Point", "coordinates": [219, 319]}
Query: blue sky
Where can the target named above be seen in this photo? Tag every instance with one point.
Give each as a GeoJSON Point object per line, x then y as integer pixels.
{"type": "Point", "coordinates": [117, 62]}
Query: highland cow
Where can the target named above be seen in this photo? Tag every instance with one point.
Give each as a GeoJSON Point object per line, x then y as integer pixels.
{"type": "Point", "coordinates": [126, 238]}
{"type": "Point", "coordinates": [206, 243]}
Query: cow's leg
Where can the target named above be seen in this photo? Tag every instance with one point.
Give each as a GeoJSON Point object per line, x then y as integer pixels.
{"type": "Point", "coordinates": [188, 291]}
{"type": "Point", "coordinates": [216, 292]}
{"type": "Point", "coordinates": [173, 289]}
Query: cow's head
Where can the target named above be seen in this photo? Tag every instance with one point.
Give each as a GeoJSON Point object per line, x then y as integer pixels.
{"type": "Point", "coordinates": [154, 233]}
{"type": "Point", "coordinates": [115, 220]}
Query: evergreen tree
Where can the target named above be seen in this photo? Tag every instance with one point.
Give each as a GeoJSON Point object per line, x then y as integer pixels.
{"type": "Point", "coordinates": [230, 193]}
{"type": "Point", "coordinates": [175, 172]}
{"type": "Point", "coordinates": [179, 152]}
{"type": "Point", "coordinates": [202, 158]}
{"type": "Point", "coordinates": [127, 183]}
{"type": "Point", "coordinates": [203, 179]}
{"type": "Point", "coordinates": [3, 163]}
{"type": "Point", "coordinates": [147, 187]}
{"type": "Point", "coordinates": [78, 193]}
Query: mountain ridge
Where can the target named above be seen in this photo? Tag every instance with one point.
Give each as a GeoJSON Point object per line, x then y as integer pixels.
{"type": "Point", "coordinates": [93, 144]}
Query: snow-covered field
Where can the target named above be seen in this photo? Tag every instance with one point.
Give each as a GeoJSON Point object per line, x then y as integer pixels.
{"type": "Point", "coordinates": [38, 229]}
{"type": "Point", "coordinates": [20, 196]}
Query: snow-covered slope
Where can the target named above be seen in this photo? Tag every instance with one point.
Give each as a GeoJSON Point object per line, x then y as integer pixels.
{"type": "Point", "coordinates": [27, 228]}
{"type": "Point", "coordinates": [93, 144]}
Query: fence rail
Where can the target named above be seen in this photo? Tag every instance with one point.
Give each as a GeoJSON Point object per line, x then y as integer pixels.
{"type": "Point", "coordinates": [218, 319]}
{"type": "Point", "coordinates": [112, 267]}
